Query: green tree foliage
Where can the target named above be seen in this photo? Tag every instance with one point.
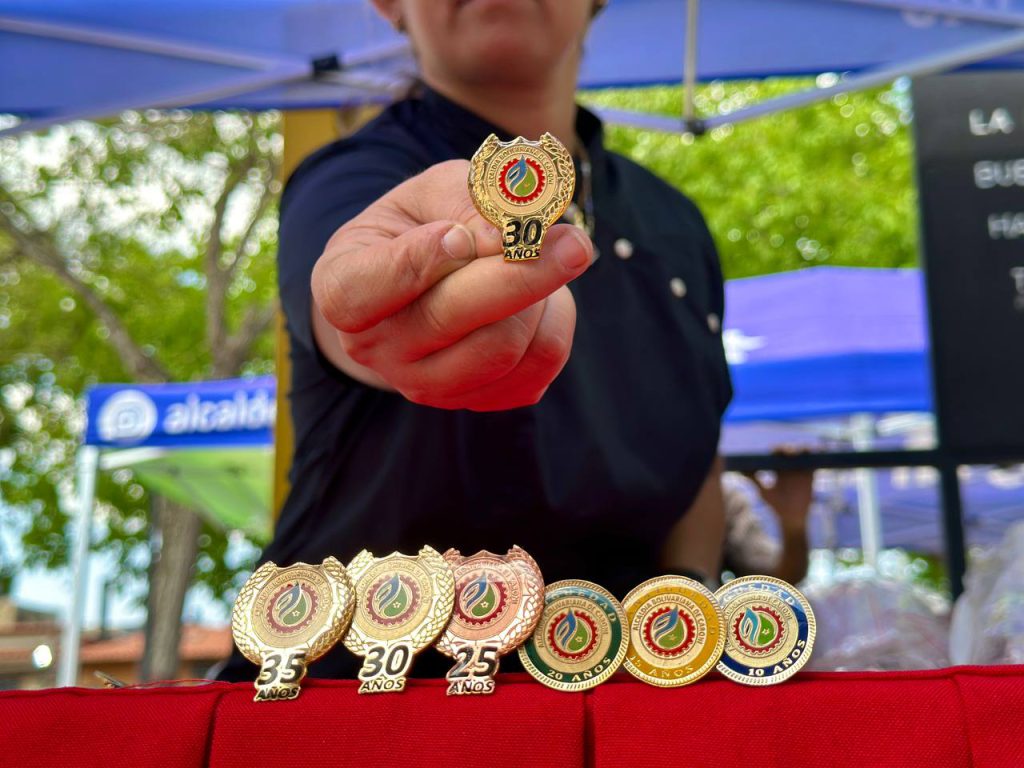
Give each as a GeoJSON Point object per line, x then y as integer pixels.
{"type": "Point", "coordinates": [140, 249]}
{"type": "Point", "coordinates": [830, 183]}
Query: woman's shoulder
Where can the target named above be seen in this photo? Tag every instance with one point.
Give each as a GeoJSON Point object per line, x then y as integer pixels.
{"type": "Point", "coordinates": [387, 145]}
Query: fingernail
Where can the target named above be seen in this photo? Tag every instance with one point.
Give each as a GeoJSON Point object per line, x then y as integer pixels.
{"type": "Point", "coordinates": [458, 243]}
{"type": "Point", "coordinates": [574, 251]}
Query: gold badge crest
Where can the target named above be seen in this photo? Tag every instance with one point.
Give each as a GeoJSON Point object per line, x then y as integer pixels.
{"type": "Point", "coordinates": [286, 618]}
{"type": "Point", "coordinates": [498, 601]}
{"type": "Point", "coordinates": [402, 604]}
{"type": "Point", "coordinates": [522, 187]}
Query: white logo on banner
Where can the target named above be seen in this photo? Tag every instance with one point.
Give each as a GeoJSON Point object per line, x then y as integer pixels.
{"type": "Point", "coordinates": [738, 345]}
{"type": "Point", "coordinates": [127, 417]}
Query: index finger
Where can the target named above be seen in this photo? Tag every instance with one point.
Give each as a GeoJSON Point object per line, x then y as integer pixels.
{"type": "Point", "coordinates": [490, 289]}
{"type": "Point", "coordinates": [399, 247]}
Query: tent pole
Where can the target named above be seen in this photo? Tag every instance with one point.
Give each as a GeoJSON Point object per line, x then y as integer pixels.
{"type": "Point", "coordinates": [990, 49]}
{"type": "Point", "coordinates": [922, 8]}
{"type": "Point", "coordinates": [263, 71]}
{"type": "Point", "coordinates": [953, 524]}
{"type": "Point", "coordinates": [87, 463]}
{"type": "Point", "coordinates": [250, 82]}
{"type": "Point", "coordinates": [862, 428]}
{"type": "Point", "coordinates": [690, 67]}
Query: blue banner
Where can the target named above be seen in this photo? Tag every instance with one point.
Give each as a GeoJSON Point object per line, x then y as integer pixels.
{"type": "Point", "coordinates": [206, 414]}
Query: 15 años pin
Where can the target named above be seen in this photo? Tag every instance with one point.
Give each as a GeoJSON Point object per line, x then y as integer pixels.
{"type": "Point", "coordinates": [285, 618]}
{"type": "Point", "coordinates": [769, 630]}
{"type": "Point", "coordinates": [402, 605]}
{"type": "Point", "coordinates": [498, 600]}
{"type": "Point", "coordinates": [675, 631]}
{"type": "Point", "coordinates": [522, 187]}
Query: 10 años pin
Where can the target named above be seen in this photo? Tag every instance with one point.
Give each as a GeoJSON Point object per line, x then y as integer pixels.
{"type": "Point", "coordinates": [769, 628]}
{"type": "Point", "coordinates": [522, 187]}
{"type": "Point", "coordinates": [402, 605]}
{"type": "Point", "coordinates": [498, 600]}
{"type": "Point", "coordinates": [285, 618]}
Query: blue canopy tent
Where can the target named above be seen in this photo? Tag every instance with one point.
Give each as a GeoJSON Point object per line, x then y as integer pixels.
{"type": "Point", "coordinates": [67, 59]}
{"type": "Point", "coordinates": [827, 341]}
{"type": "Point", "coordinates": [834, 357]}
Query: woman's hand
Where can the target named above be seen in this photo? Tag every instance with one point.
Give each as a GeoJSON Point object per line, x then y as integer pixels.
{"type": "Point", "coordinates": [414, 295]}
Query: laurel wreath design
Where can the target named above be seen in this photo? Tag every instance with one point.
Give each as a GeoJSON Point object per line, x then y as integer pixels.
{"type": "Point", "coordinates": [337, 621]}
{"type": "Point", "coordinates": [443, 582]}
{"type": "Point", "coordinates": [241, 613]}
{"type": "Point", "coordinates": [355, 640]}
{"type": "Point", "coordinates": [344, 606]}
{"type": "Point", "coordinates": [477, 186]}
{"type": "Point", "coordinates": [566, 186]}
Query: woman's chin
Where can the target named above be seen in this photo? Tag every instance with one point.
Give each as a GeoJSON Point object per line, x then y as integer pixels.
{"type": "Point", "coordinates": [503, 62]}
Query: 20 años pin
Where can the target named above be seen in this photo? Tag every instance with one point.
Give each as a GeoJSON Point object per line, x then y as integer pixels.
{"type": "Point", "coordinates": [769, 630]}
{"type": "Point", "coordinates": [676, 633]}
{"type": "Point", "coordinates": [522, 187]}
{"type": "Point", "coordinates": [580, 639]}
{"type": "Point", "coordinates": [285, 618]}
{"type": "Point", "coordinates": [402, 605]}
{"type": "Point", "coordinates": [498, 600]}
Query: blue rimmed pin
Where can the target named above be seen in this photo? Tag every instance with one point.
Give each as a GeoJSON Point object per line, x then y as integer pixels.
{"type": "Point", "coordinates": [769, 630]}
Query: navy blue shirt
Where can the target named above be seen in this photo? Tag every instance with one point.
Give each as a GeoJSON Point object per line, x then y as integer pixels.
{"type": "Point", "coordinates": [590, 479]}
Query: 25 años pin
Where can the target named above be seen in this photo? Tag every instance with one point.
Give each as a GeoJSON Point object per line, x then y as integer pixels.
{"type": "Point", "coordinates": [498, 600]}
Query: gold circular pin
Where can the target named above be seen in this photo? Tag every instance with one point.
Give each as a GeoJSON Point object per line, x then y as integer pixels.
{"type": "Point", "coordinates": [675, 631]}
{"type": "Point", "coordinates": [522, 187]}
{"type": "Point", "coordinates": [285, 618]}
{"type": "Point", "coordinates": [580, 639]}
{"type": "Point", "coordinates": [770, 630]}
{"type": "Point", "coordinates": [498, 600]}
{"type": "Point", "coordinates": [403, 603]}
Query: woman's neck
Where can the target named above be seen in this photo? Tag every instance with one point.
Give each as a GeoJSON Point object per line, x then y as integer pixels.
{"type": "Point", "coordinates": [526, 111]}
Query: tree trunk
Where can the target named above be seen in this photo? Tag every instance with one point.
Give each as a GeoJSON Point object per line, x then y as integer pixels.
{"type": "Point", "coordinates": [176, 533]}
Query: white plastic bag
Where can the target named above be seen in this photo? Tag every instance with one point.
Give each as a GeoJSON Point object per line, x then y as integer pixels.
{"type": "Point", "coordinates": [867, 622]}
{"type": "Point", "coordinates": [988, 619]}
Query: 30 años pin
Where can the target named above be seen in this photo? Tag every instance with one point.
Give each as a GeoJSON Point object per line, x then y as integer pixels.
{"type": "Point", "coordinates": [580, 640]}
{"type": "Point", "coordinates": [522, 187]}
{"type": "Point", "coordinates": [402, 605]}
{"type": "Point", "coordinates": [498, 601]}
{"type": "Point", "coordinates": [285, 618]}
{"type": "Point", "coordinates": [769, 630]}
{"type": "Point", "coordinates": [676, 631]}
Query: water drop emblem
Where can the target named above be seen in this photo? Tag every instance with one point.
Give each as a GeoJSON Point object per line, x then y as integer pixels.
{"type": "Point", "coordinates": [668, 630]}
{"type": "Point", "coordinates": [392, 598]}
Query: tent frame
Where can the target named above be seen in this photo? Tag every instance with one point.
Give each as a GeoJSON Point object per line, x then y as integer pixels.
{"type": "Point", "coordinates": [259, 72]}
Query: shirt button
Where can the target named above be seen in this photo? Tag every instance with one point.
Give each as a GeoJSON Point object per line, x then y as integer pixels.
{"type": "Point", "coordinates": [623, 248]}
{"type": "Point", "coordinates": [677, 286]}
{"type": "Point", "coordinates": [714, 323]}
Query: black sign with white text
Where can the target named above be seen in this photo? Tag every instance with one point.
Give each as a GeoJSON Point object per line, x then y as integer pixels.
{"type": "Point", "coordinates": [969, 131]}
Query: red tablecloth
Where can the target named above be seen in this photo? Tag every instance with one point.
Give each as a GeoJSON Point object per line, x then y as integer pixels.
{"type": "Point", "coordinates": [966, 716]}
